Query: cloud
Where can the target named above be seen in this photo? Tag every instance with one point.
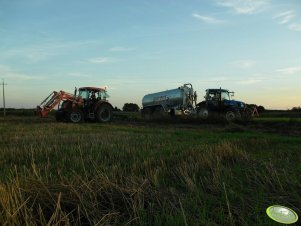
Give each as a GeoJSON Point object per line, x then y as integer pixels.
{"type": "Point", "coordinates": [207, 19]}
{"type": "Point", "coordinates": [77, 75]}
{"type": "Point", "coordinates": [32, 54]}
{"type": "Point", "coordinates": [243, 6]}
{"type": "Point", "coordinates": [244, 64]}
{"type": "Point", "coordinates": [289, 70]}
{"type": "Point", "coordinates": [10, 74]}
{"type": "Point", "coordinates": [285, 17]}
{"type": "Point", "coordinates": [42, 51]}
{"type": "Point", "coordinates": [295, 27]}
{"type": "Point", "coordinates": [120, 49]}
{"type": "Point", "coordinates": [100, 60]}
{"type": "Point", "coordinates": [250, 81]}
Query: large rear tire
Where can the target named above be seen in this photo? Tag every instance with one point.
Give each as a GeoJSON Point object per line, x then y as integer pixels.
{"type": "Point", "coordinates": [76, 116]}
{"type": "Point", "coordinates": [104, 113]}
{"type": "Point", "coordinates": [203, 113]}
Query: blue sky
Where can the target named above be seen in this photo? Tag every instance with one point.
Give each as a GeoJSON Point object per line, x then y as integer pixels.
{"type": "Point", "coordinates": [137, 47]}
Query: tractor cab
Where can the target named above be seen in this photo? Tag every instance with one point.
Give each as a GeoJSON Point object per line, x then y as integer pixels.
{"type": "Point", "coordinates": [91, 96]}
{"type": "Point", "coordinates": [220, 99]}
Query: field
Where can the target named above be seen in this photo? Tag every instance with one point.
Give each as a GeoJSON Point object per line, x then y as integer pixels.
{"type": "Point", "coordinates": [130, 172]}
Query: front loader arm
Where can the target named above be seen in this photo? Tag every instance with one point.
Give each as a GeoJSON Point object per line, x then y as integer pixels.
{"type": "Point", "coordinates": [52, 101]}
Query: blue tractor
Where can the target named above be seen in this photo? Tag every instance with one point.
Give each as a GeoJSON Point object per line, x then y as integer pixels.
{"type": "Point", "coordinates": [218, 103]}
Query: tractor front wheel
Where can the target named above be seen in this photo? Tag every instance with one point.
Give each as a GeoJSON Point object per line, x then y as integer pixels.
{"type": "Point", "coordinates": [76, 116]}
{"type": "Point", "coordinates": [59, 116]}
{"type": "Point", "coordinates": [104, 113]}
{"type": "Point", "coordinates": [230, 116]}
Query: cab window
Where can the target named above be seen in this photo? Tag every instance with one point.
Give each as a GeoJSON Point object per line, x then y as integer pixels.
{"type": "Point", "coordinates": [84, 94]}
{"type": "Point", "coordinates": [225, 96]}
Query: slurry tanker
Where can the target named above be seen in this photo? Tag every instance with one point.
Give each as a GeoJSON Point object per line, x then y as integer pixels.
{"type": "Point", "coordinates": [183, 101]}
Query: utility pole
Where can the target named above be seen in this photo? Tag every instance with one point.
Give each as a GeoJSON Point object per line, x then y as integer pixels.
{"type": "Point", "coordinates": [3, 84]}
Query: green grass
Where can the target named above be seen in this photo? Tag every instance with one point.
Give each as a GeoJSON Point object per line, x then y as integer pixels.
{"type": "Point", "coordinates": [280, 119]}
{"type": "Point", "coordinates": [144, 174]}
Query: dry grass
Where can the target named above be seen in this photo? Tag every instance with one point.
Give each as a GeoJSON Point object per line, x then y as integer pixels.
{"type": "Point", "coordinates": [111, 174]}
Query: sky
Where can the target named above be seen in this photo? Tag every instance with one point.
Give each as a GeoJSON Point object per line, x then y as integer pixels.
{"type": "Point", "coordinates": [136, 47]}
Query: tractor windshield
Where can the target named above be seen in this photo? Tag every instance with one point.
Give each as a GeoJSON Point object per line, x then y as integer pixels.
{"type": "Point", "coordinates": [84, 94]}
{"type": "Point", "coordinates": [225, 95]}
{"type": "Point", "coordinates": [217, 95]}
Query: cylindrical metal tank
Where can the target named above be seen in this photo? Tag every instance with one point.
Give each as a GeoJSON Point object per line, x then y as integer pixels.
{"type": "Point", "coordinates": [168, 98]}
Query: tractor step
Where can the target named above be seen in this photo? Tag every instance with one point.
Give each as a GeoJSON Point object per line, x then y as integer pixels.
{"type": "Point", "coordinates": [91, 115]}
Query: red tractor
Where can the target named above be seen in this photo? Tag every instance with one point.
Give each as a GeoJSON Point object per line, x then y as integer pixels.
{"type": "Point", "coordinates": [89, 105]}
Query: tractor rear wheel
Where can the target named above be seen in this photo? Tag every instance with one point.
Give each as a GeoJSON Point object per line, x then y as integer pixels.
{"type": "Point", "coordinates": [104, 113]}
{"type": "Point", "coordinates": [203, 113]}
{"type": "Point", "coordinates": [76, 116]}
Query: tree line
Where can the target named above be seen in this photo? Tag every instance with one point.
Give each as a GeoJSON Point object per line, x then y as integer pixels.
{"type": "Point", "coordinates": [128, 107]}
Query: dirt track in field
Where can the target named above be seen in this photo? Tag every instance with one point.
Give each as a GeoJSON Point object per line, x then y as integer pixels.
{"type": "Point", "coordinates": [292, 128]}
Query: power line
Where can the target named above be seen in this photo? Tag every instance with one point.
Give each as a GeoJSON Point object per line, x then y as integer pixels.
{"type": "Point", "coordinates": [3, 84]}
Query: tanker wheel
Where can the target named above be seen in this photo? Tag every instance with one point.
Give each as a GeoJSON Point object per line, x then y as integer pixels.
{"type": "Point", "coordinates": [104, 113]}
{"type": "Point", "coordinates": [147, 114]}
{"type": "Point", "coordinates": [76, 116]}
{"type": "Point", "coordinates": [158, 113]}
{"type": "Point", "coordinates": [203, 113]}
{"type": "Point", "coordinates": [230, 116]}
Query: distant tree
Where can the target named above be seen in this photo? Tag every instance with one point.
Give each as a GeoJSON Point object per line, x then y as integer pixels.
{"type": "Point", "coordinates": [260, 109]}
{"type": "Point", "coordinates": [130, 107]}
{"type": "Point", "coordinates": [296, 109]}
{"type": "Point", "coordinates": [116, 109]}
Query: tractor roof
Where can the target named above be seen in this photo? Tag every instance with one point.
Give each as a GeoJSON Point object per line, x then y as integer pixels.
{"type": "Point", "coordinates": [93, 89]}
{"type": "Point", "coordinates": [217, 90]}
